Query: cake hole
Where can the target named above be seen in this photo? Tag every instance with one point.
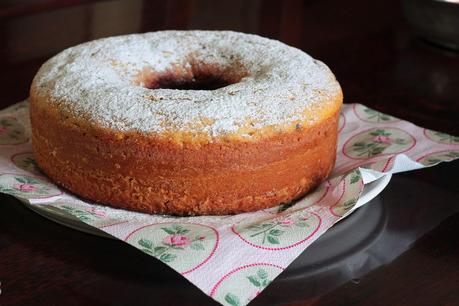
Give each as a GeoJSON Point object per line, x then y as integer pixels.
{"type": "Point", "coordinates": [199, 82]}
{"type": "Point", "coordinates": [197, 76]}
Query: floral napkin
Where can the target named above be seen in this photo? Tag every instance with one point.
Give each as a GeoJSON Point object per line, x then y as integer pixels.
{"type": "Point", "coordinates": [233, 258]}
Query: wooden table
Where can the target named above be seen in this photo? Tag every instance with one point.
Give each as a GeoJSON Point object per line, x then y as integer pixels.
{"type": "Point", "coordinates": [378, 61]}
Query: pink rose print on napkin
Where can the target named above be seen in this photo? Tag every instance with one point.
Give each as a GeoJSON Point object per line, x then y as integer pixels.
{"type": "Point", "coordinates": [277, 233]}
{"type": "Point", "coordinates": [378, 142]}
{"type": "Point", "coordinates": [177, 240]}
{"type": "Point", "coordinates": [25, 187]}
{"type": "Point", "coordinates": [89, 215]}
{"type": "Point", "coordinates": [97, 212]}
{"type": "Point", "coordinates": [287, 222]}
{"type": "Point", "coordinates": [183, 246]}
{"type": "Point", "coordinates": [382, 139]}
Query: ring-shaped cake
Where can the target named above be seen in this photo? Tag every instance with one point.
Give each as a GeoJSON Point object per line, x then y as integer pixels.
{"type": "Point", "coordinates": [185, 122]}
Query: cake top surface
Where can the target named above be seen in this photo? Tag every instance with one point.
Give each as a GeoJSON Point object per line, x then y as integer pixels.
{"type": "Point", "coordinates": [116, 82]}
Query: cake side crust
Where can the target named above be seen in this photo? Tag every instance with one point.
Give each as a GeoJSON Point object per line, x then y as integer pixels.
{"type": "Point", "coordinates": [158, 175]}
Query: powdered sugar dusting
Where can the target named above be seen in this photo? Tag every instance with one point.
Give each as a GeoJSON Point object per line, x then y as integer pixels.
{"type": "Point", "coordinates": [97, 81]}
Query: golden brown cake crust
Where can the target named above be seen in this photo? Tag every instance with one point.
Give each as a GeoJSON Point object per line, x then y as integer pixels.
{"type": "Point", "coordinates": [156, 153]}
{"type": "Point", "coordinates": [152, 175]}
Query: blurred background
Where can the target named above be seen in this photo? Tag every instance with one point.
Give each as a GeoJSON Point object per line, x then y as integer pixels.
{"type": "Point", "coordinates": [370, 46]}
